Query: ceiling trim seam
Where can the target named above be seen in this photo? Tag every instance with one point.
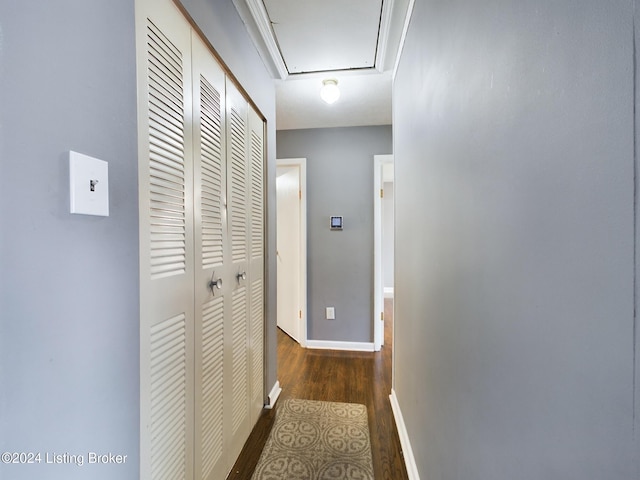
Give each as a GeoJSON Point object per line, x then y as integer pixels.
{"type": "Point", "coordinates": [255, 16]}
{"type": "Point", "coordinates": [383, 34]}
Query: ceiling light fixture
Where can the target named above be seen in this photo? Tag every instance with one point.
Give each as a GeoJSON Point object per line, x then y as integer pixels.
{"type": "Point", "coordinates": [330, 91]}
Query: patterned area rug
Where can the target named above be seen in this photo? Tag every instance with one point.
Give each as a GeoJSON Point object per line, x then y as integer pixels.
{"type": "Point", "coordinates": [317, 440]}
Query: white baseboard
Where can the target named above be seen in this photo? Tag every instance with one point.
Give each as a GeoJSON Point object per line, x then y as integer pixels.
{"type": "Point", "coordinates": [334, 345]}
{"type": "Point", "coordinates": [409, 459]}
{"type": "Point", "coordinates": [273, 395]}
{"type": "Point", "coordinates": [388, 292]}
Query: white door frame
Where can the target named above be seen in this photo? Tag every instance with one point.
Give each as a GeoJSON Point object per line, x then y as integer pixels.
{"type": "Point", "coordinates": [378, 279]}
{"type": "Point", "coordinates": [301, 164]}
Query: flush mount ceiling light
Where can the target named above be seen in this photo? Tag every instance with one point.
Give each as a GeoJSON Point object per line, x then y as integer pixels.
{"type": "Point", "coordinates": [329, 91]}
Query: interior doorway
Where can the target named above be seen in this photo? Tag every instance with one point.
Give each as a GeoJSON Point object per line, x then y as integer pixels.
{"type": "Point", "coordinates": [291, 247]}
{"type": "Point", "coordinates": [383, 183]}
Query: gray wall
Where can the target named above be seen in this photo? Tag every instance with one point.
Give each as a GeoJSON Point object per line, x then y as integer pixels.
{"type": "Point", "coordinates": [339, 263]}
{"type": "Point", "coordinates": [69, 311]}
{"type": "Point", "coordinates": [514, 142]}
{"type": "Point", "coordinates": [69, 338]}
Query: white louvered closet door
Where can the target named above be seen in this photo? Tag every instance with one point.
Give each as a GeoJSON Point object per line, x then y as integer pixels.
{"type": "Point", "coordinates": [166, 244]}
{"type": "Point", "coordinates": [238, 225]}
{"type": "Point", "coordinates": [213, 274]}
{"type": "Point", "coordinates": [201, 254]}
{"type": "Point", "coordinates": [256, 261]}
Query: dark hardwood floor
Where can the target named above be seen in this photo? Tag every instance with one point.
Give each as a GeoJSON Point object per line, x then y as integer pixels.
{"type": "Point", "coordinates": [355, 377]}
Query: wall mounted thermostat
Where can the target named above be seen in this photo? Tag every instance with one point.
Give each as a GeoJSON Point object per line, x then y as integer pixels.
{"type": "Point", "coordinates": [336, 223]}
{"type": "Point", "coordinates": [89, 182]}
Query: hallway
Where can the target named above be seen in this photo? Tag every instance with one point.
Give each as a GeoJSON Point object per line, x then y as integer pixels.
{"type": "Point", "coordinates": [355, 377]}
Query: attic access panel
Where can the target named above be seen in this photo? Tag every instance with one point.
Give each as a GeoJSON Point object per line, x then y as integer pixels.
{"type": "Point", "coordinates": [325, 35]}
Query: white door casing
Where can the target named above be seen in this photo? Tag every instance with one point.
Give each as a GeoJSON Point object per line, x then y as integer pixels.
{"type": "Point", "coordinates": [378, 278]}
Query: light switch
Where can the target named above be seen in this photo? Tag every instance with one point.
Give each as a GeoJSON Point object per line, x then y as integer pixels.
{"type": "Point", "coordinates": [89, 181]}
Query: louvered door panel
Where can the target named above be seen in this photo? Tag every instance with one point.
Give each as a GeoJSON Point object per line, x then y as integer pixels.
{"type": "Point", "coordinates": [211, 416]}
{"type": "Point", "coordinates": [238, 228]}
{"type": "Point", "coordinates": [166, 156]}
{"type": "Point", "coordinates": [238, 185]}
{"type": "Point", "coordinates": [166, 242]}
{"type": "Point", "coordinates": [239, 369]}
{"type": "Point", "coordinates": [257, 195]}
{"type": "Point", "coordinates": [211, 163]}
{"type": "Point", "coordinates": [257, 342]}
{"type": "Point", "coordinates": [256, 263]}
{"type": "Point", "coordinates": [212, 306]}
{"type": "Point", "coordinates": [169, 399]}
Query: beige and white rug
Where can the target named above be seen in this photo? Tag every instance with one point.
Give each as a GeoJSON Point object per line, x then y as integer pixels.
{"type": "Point", "coordinates": [317, 440]}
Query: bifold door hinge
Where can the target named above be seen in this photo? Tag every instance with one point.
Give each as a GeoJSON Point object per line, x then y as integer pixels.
{"type": "Point", "coordinates": [382, 316]}
{"type": "Point", "coordinates": [381, 193]}
{"type": "Point", "coordinates": [299, 313]}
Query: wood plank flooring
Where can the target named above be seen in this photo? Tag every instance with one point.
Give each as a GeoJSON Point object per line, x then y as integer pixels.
{"type": "Point", "coordinates": [355, 377]}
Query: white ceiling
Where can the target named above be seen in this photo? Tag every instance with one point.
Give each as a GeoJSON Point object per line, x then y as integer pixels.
{"type": "Point", "coordinates": [303, 42]}
{"type": "Point", "coordinates": [325, 35]}
{"type": "Point", "coordinates": [365, 99]}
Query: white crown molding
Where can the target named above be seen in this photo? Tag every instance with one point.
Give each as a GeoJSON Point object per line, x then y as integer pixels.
{"type": "Point", "coordinates": [407, 21]}
{"type": "Point", "coordinates": [383, 35]}
{"type": "Point", "coordinates": [255, 17]}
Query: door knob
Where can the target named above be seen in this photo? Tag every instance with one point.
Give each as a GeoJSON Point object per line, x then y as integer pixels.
{"type": "Point", "coordinates": [241, 276]}
{"type": "Point", "coordinates": [215, 284]}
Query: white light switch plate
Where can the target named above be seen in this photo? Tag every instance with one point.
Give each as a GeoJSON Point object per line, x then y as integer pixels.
{"type": "Point", "coordinates": [89, 181]}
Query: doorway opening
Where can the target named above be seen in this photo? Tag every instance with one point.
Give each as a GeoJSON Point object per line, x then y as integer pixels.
{"type": "Point", "coordinates": [291, 241]}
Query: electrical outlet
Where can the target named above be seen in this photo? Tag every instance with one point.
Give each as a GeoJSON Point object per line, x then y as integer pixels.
{"type": "Point", "coordinates": [331, 313]}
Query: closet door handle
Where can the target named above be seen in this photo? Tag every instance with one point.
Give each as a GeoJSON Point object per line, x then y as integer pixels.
{"type": "Point", "coordinates": [241, 276]}
{"type": "Point", "coordinates": [215, 284]}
